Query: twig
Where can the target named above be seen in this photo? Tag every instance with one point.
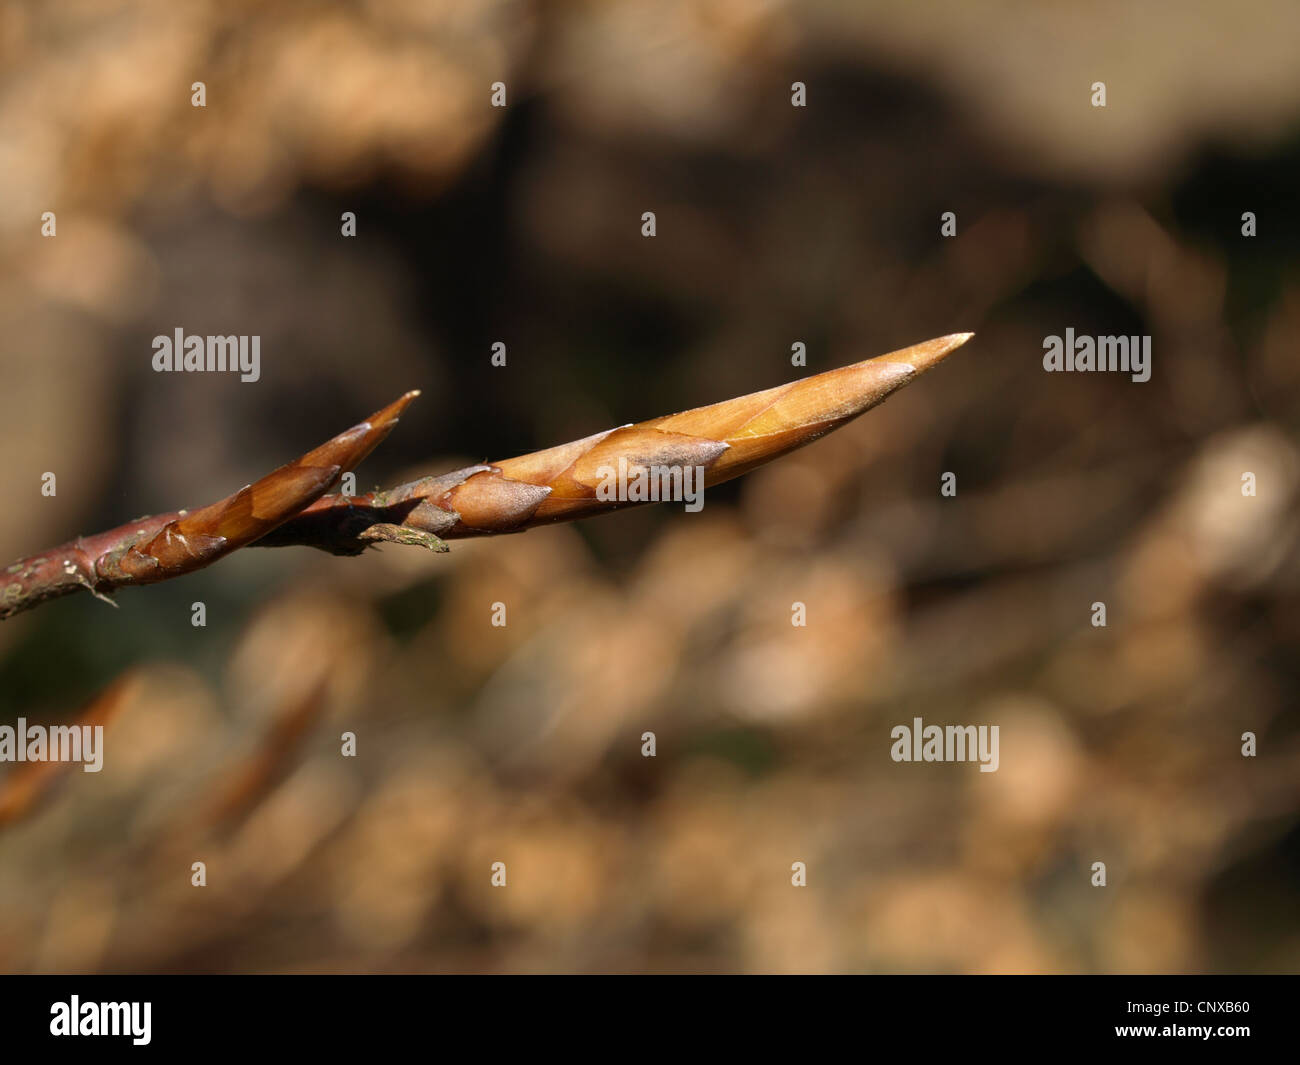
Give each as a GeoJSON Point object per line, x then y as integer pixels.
{"type": "Point", "coordinates": [289, 506]}
{"type": "Point", "coordinates": [29, 783]}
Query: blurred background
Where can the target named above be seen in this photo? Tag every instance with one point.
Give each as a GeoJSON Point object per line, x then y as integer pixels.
{"type": "Point", "coordinates": [775, 225]}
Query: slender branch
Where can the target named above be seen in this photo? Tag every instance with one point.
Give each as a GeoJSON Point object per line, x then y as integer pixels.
{"type": "Point", "coordinates": [291, 506]}
{"type": "Point", "coordinates": [157, 548]}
